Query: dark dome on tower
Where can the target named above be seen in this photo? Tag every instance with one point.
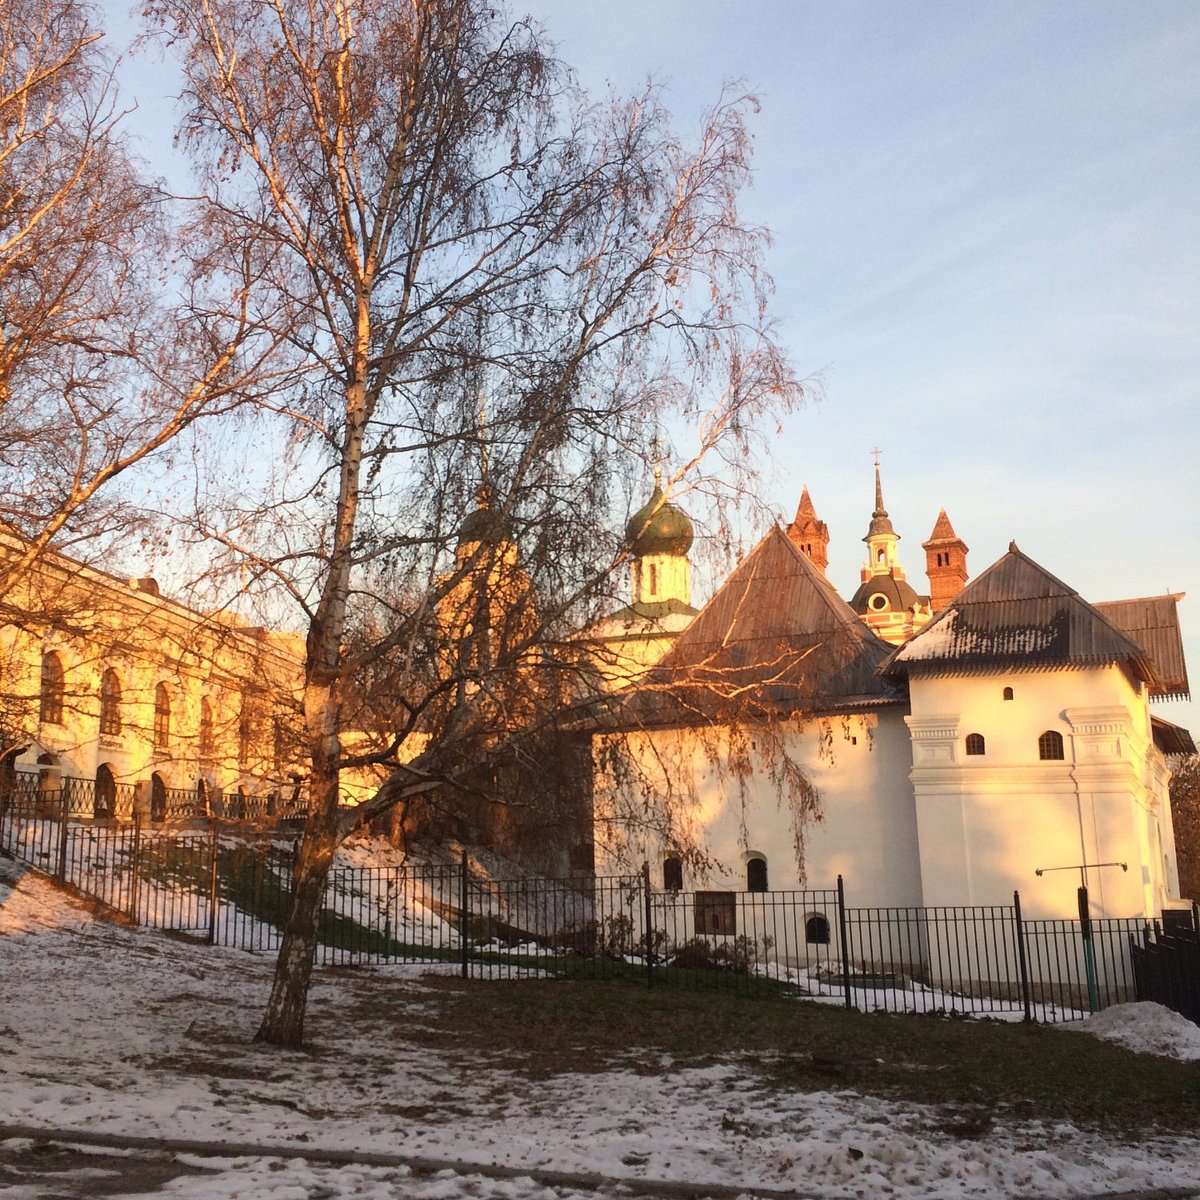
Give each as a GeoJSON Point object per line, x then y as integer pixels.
{"type": "Point", "coordinates": [485, 525]}
{"type": "Point", "coordinates": [884, 593]}
{"type": "Point", "coordinates": [659, 528]}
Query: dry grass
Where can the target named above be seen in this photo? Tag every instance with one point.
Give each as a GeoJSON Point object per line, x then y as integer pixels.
{"type": "Point", "coordinates": [979, 1068]}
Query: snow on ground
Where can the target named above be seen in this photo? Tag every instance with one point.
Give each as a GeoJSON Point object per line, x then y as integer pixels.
{"type": "Point", "coordinates": [121, 1031]}
{"type": "Point", "coordinates": [1147, 1028]}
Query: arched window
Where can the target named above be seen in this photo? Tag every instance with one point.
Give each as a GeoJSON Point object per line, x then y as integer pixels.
{"type": "Point", "coordinates": [50, 707]}
{"type": "Point", "coordinates": [975, 744]}
{"type": "Point", "coordinates": [110, 704]}
{"type": "Point", "coordinates": [672, 874]}
{"type": "Point", "coordinates": [106, 792]}
{"type": "Point", "coordinates": [756, 875]}
{"type": "Point", "coordinates": [245, 733]}
{"type": "Point", "coordinates": [1050, 745]}
{"type": "Point", "coordinates": [279, 746]}
{"type": "Point", "coordinates": [653, 579]}
{"type": "Point", "coordinates": [206, 728]}
{"type": "Point", "coordinates": [816, 930]}
{"type": "Point", "coordinates": [162, 719]}
{"type": "Point", "coordinates": [1008, 693]}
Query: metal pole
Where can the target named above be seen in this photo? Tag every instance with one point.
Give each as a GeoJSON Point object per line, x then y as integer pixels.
{"type": "Point", "coordinates": [134, 867]}
{"type": "Point", "coordinates": [213, 892]}
{"type": "Point", "coordinates": [1089, 950]}
{"type": "Point", "coordinates": [1022, 962]}
{"type": "Point", "coordinates": [841, 903]}
{"type": "Point", "coordinates": [64, 822]}
{"type": "Point", "coordinates": [649, 913]}
{"type": "Point", "coordinates": [464, 919]}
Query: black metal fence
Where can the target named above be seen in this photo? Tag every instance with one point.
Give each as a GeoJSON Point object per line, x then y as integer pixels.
{"type": "Point", "coordinates": [49, 795]}
{"type": "Point", "coordinates": [1166, 969]}
{"type": "Point", "coordinates": [235, 890]}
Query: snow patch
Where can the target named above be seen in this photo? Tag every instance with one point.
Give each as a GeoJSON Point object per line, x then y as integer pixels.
{"type": "Point", "coordinates": [1147, 1028]}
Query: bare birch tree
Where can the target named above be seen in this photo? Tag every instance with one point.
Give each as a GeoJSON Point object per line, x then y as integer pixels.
{"type": "Point", "coordinates": [416, 207]}
{"type": "Point", "coordinates": [97, 376]}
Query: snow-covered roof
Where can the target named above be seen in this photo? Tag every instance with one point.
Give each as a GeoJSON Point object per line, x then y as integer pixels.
{"type": "Point", "coordinates": [1017, 615]}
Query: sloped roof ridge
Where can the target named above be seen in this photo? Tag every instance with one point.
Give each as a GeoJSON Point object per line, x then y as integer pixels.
{"type": "Point", "coordinates": [1122, 648]}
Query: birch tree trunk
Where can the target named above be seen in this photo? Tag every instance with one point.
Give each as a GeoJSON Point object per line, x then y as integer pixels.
{"type": "Point", "coordinates": [407, 206]}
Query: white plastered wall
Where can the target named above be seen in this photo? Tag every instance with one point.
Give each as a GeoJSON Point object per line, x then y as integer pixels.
{"type": "Point", "coordinates": [866, 831]}
{"type": "Point", "coordinates": [986, 823]}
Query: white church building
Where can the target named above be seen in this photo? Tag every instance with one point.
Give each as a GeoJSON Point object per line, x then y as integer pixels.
{"type": "Point", "coordinates": [993, 736]}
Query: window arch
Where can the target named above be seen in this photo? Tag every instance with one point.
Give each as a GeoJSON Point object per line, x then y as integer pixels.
{"type": "Point", "coordinates": [110, 704]}
{"type": "Point", "coordinates": [672, 873]}
{"type": "Point", "coordinates": [756, 874]}
{"type": "Point", "coordinates": [245, 732]}
{"type": "Point", "coordinates": [162, 719]}
{"type": "Point", "coordinates": [53, 688]}
{"type": "Point", "coordinates": [816, 930]}
{"type": "Point", "coordinates": [975, 743]}
{"type": "Point", "coordinates": [1008, 693]}
{"type": "Point", "coordinates": [206, 728]}
{"type": "Point", "coordinates": [1050, 745]}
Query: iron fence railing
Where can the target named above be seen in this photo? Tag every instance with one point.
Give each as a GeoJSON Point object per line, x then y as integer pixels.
{"type": "Point", "coordinates": [234, 889]}
{"type": "Point", "coordinates": [33, 794]}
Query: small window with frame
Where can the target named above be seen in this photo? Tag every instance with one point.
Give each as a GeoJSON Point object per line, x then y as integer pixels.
{"type": "Point", "coordinates": [975, 743]}
{"type": "Point", "coordinates": [1050, 746]}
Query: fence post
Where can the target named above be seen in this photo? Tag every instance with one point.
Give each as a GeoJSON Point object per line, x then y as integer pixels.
{"type": "Point", "coordinates": [134, 868]}
{"type": "Point", "coordinates": [1089, 949]}
{"type": "Point", "coordinates": [649, 911]}
{"type": "Point", "coordinates": [841, 903]}
{"type": "Point", "coordinates": [64, 821]}
{"type": "Point", "coordinates": [1022, 962]}
{"type": "Point", "coordinates": [464, 916]}
{"type": "Point", "coordinates": [213, 892]}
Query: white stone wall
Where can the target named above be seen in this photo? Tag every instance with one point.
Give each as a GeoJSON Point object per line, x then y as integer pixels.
{"type": "Point", "coordinates": [866, 831]}
{"type": "Point", "coordinates": [986, 823]}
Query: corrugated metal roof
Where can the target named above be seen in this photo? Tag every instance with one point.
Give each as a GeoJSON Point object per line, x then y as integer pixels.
{"type": "Point", "coordinates": [1153, 622]}
{"type": "Point", "coordinates": [776, 638]}
{"type": "Point", "coordinates": [1016, 614]}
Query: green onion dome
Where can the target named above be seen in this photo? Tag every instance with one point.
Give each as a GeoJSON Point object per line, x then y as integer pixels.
{"type": "Point", "coordinates": [659, 528]}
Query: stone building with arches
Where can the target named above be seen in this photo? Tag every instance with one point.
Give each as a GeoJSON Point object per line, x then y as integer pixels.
{"type": "Point", "coordinates": [118, 701]}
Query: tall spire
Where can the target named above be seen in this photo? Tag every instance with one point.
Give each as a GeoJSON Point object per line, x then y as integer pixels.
{"type": "Point", "coordinates": [880, 523]}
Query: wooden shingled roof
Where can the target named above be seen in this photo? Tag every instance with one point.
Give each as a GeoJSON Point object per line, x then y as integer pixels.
{"type": "Point", "coordinates": [1017, 615]}
{"type": "Point", "coordinates": [1153, 622]}
{"type": "Point", "coordinates": [775, 639]}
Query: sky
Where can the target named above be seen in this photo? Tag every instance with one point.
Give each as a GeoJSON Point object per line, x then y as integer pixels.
{"type": "Point", "coordinates": [986, 223]}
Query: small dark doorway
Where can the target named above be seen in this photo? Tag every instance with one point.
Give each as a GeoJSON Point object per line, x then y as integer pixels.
{"type": "Point", "coordinates": [105, 803]}
{"type": "Point", "coordinates": [158, 797]}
